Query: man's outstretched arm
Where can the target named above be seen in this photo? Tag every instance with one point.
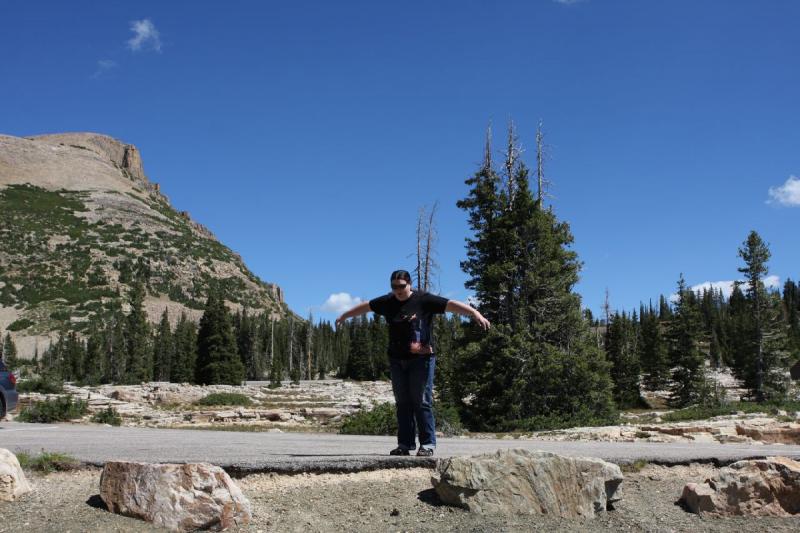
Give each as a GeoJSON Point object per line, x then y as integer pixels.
{"type": "Point", "coordinates": [454, 306]}
{"type": "Point", "coordinates": [360, 309]}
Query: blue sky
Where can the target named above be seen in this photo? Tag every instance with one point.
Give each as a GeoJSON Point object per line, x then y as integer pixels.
{"type": "Point", "coordinates": [306, 135]}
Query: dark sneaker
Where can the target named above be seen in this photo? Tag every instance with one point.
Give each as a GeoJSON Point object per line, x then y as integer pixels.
{"type": "Point", "coordinates": [424, 452]}
{"type": "Point", "coordinates": [399, 451]}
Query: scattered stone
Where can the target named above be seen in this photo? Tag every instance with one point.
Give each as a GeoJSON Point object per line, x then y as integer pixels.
{"type": "Point", "coordinates": [394, 512]}
{"type": "Point", "coordinates": [764, 487]}
{"type": "Point", "coordinates": [179, 497]}
{"type": "Point", "coordinates": [526, 482]}
{"type": "Point", "coordinates": [13, 483]}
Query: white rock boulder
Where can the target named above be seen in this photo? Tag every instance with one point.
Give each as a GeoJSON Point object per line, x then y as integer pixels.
{"type": "Point", "coordinates": [12, 480]}
{"type": "Point", "coordinates": [526, 482]}
{"type": "Point", "coordinates": [179, 497]}
{"type": "Point", "coordinates": [765, 487]}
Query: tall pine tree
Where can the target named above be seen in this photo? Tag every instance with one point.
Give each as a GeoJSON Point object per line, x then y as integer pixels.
{"type": "Point", "coordinates": [538, 365]}
{"type": "Point", "coordinates": [217, 355]}
{"type": "Point", "coordinates": [683, 334]}
{"type": "Point", "coordinates": [763, 361]}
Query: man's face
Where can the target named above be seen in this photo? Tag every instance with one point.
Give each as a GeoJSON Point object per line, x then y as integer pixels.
{"type": "Point", "coordinates": [401, 288]}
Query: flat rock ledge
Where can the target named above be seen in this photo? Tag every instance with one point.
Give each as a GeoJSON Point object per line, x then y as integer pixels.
{"type": "Point", "coordinates": [179, 497]}
{"type": "Point", "coordinates": [764, 487]}
{"type": "Point", "coordinates": [13, 483]}
{"type": "Point", "coordinates": [525, 482]}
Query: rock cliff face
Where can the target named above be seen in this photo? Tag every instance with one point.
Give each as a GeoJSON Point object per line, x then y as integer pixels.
{"type": "Point", "coordinates": [80, 223]}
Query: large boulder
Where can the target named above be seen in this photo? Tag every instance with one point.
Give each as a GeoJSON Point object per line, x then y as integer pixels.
{"type": "Point", "coordinates": [765, 487]}
{"type": "Point", "coordinates": [526, 482]}
{"type": "Point", "coordinates": [12, 480]}
{"type": "Point", "coordinates": [180, 497]}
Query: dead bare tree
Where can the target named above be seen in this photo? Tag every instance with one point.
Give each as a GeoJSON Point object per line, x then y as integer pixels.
{"type": "Point", "coordinates": [430, 238]}
{"type": "Point", "coordinates": [541, 148]}
{"type": "Point", "coordinates": [426, 247]}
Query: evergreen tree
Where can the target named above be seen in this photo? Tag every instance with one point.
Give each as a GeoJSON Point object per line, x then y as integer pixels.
{"type": "Point", "coordinates": [538, 365]}
{"type": "Point", "coordinates": [247, 345]}
{"type": "Point", "coordinates": [182, 369]}
{"type": "Point", "coordinates": [688, 375]}
{"type": "Point", "coordinates": [621, 349]}
{"type": "Point", "coordinates": [764, 358]}
{"type": "Point", "coordinates": [116, 347]}
{"type": "Point", "coordinates": [217, 355]}
{"type": "Point", "coordinates": [139, 367]}
{"type": "Point", "coordinates": [359, 365]}
{"type": "Point", "coordinates": [73, 358]}
{"type": "Point", "coordinates": [163, 349]}
{"type": "Point", "coordinates": [9, 351]}
{"type": "Point", "coordinates": [653, 352]}
{"type": "Point", "coordinates": [664, 310]}
{"type": "Point", "coordinates": [275, 373]}
{"type": "Point", "coordinates": [94, 362]}
{"type": "Point", "coordinates": [791, 305]}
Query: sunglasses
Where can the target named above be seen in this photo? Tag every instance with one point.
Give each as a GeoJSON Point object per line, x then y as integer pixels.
{"type": "Point", "coordinates": [398, 286]}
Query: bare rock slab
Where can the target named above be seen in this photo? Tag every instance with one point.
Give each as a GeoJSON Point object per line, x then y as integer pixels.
{"type": "Point", "coordinates": [527, 482]}
{"type": "Point", "coordinates": [180, 497]}
{"type": "Point", "coordinates": [764, 487]}
{"type": "Point", "coordinates": [13, 483]}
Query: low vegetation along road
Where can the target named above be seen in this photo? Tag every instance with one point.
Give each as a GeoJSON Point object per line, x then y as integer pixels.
{"type": "Point", "coordinates": [317, 452]}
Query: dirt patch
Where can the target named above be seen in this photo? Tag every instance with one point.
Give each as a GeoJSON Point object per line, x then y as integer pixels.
{"type": "Point", "coordinates": [386, 500]}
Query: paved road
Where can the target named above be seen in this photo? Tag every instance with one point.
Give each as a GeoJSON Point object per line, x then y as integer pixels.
{"type": "Point", "coordinates": [316, 452]}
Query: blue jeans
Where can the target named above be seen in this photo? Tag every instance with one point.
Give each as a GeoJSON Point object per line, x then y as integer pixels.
{"type": "Point", "coordinates": [412, 383]}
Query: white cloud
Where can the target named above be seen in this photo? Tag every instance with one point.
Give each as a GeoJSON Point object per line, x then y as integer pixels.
{"type": "Point", "coordinates": [145, 36]}
{"type": "Point", "coordinates": [340, 302]}
{"type": "Point", "coordinates": [770, 282]}
{"type": "Point", "coordinates": [787, 194]}
{"type": "Point", "coordinates": [103, 66]}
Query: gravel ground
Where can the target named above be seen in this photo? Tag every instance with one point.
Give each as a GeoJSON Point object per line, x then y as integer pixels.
{"type": "Point", "coordinates": [387, 500]}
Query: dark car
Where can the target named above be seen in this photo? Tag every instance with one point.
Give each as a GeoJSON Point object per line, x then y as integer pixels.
{"type": "Point", "coordinates": [8, 390]}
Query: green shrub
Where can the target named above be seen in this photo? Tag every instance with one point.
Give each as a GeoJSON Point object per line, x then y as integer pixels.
{"type": "Point", "coordinates": [224, 398]}
{"type": "Point", "coordinates": [60, 314]}
{"type": "Point", "coordinates": [107, 416]}
{"type": "Point", "coordinates": [382, 420]}
{"type": "Point", "coordinates": [61, 409]}
{"type": "Point", "coordinates": [42, 385]}
{"type": "Point", "coordinates": [545, 422]}
{"type": "Point", "coordinates": [20, 324]}
{"type": "Point", "coordinates": [699, 412]}
{"type": "Point", "coordinates": [47, 462]}
{"type": "Point", "coordinates": [448, 421]}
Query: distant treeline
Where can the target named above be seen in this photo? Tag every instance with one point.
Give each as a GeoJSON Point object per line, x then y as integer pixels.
{"type": "Point", "coordinates": [755, 332]}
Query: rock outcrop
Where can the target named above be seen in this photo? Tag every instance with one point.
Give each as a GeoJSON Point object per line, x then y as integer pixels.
{"type": "Point", "coordinates": [12, 479]}
{"type": "Point", "coordinates": [179, 497]}
{"type": "Point", "coordinates": [767, 487]}
{"type": "Point", "coordinates": [525, 482]}
{"type": "Point", "coordinates": [96, 206]}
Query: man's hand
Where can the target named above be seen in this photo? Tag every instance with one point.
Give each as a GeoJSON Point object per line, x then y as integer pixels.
{"type": "Point", "coordinates": [481, 320]}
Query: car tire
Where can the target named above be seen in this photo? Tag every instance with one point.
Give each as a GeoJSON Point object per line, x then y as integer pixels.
{"type": "Point", "coordinates": [2, 408]}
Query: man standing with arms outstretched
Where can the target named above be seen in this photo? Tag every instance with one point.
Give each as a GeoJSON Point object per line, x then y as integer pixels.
{"type": "Point", "coordinates": [409, 314]}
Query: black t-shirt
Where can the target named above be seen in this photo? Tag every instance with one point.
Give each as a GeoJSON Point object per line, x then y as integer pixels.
{"type": "Point", "coordinates": [410, 322]}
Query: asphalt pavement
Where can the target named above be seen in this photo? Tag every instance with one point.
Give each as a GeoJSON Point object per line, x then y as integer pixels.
{"type": "Point", "coordinates": [290, 452]}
